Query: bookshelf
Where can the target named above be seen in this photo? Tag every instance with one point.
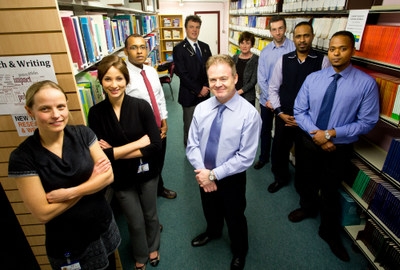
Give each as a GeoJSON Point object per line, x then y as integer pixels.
{"type": "Point", "coordinates": [171, 33]}
{"type": "Point", "coordinates": [35, 28]}
{"type": "Point", "coordinates": [372, 149]}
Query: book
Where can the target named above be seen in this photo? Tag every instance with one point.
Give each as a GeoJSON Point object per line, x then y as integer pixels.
{"type": "Point", "coordinates": [166, 22]}
{"type": "Point", "coordinates": [109, 35]}
{"type": "Point", "coordinates": [100, 34]}
{"type": "Point", "coordinates": [87, 38]}
{"type": "Point", "coordinates": [176, 22]}
{"type": "Point", "coordinates": [176, 34]}
{"type": "Point", "coordinates": [169, 46]}
{"type": "Point", "coordinates": [167, 34]}
{"type": "Point", "coordinates": [73, 42]}
{"type": "Point", "coordinates": [81, 43]}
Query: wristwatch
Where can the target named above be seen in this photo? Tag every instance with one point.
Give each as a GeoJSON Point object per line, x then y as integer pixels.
{"type": "Point", "coordinates": [327, 135]}
{"type": "Point", "coordinates": [211, 176]}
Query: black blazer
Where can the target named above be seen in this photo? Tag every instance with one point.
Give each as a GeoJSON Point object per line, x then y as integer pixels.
{"type": "Point", "coordinates": [191, 72]}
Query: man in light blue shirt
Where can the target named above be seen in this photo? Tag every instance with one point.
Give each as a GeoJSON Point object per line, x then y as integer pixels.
{"type": "Point", "coordinates": [279, 46]}
{"type": "Point", "coordinates": [223, 185]}
{"type": "Point", "coordinates": [324, 149]}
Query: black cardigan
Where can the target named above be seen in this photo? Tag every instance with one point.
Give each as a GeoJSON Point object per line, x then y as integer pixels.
{"type": "Point", "coordinates": [136, 120]}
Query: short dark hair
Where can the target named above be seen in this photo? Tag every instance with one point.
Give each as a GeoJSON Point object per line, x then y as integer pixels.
{"type": "Point", "coordinates": [135, 35]}
{"type": "Point", "coordinates": [277, 18]}
{"type": "Point", "coordinates": [247, 36]}
{"type": "Point", "coordinates": [193, 18]}
{"type": "Point", "coordinates": [304, 23]}
{"type": "Point", "coordinates": [109, 61]}
{"type": "Point", "coordinates": [346, 34]}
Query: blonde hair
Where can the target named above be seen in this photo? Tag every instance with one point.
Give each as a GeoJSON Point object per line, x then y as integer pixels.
{"type": "Point", "coordinates": [36, 87]}
{"type": "Point", "coordinates": [221, 59]}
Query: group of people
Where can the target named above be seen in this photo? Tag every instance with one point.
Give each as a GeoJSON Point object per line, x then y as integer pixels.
{"type": "Point", "coordinates": [62, 170]}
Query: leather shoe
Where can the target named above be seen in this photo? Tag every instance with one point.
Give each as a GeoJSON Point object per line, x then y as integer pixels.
{"type": "Point", "coordinates": [154, 262]}
{"type": "Point", "coordinates": [237, 263]}
{"type": "Point", "coordinates": [169, 194]}
{"type": "Point", "coordinates": [275, 186]}
{"type": "Point", "coordinates": [202, 239]}
{"type": "Point", "coordinates": [259, 164]}
{"type": "Point", "coordinates": [300, 214]}
{"type": "Point", "coordinates": [336, 246]}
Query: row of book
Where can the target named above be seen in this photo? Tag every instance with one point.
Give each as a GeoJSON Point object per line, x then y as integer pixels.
{"type": "Point", "coordinates": [381, 43]}
{"type": "Point", "coordinates": [391, 166]}
{"type": "Point", "coordinates": [366, 182]}
{"type": "Point", "coordinates": [270, 6]}
{"type": "Point", "coordinates": [171, 22]}
{"type": "Point", "coordinates": [171, 34]}
{"type": "Point", "coordinates": [381, 197]}
{"type": "Point", "coordinates": [169, 45]}
{"type": "Point", "coordinates": [91, 37]}
{"type": "Point", "coordinates": [389, 93]}
{"type": "Point", "coordinates": [381, 246]}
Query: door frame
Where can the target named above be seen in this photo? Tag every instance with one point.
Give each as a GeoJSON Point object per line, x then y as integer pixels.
{"type": "Point", "coordinates": [218, 18]}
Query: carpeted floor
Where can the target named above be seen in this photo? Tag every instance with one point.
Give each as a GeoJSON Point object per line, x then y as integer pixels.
{"type": "Point", "coordinates": [275, 242]}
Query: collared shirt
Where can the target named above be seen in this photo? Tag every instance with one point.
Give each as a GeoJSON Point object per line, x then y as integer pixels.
{"type": "Point", "coordinates": [137, 88]}
{"type": "Point", "coordinates": [276, 79]}
{"type": "Point", "coordinates": [268, 57]}
{"type": "Point", "coordinates": [191, 42]}
{"type": "Point", "coordinates": [238, 142]}
{"type": "Point", "coordinates": [355, 109]}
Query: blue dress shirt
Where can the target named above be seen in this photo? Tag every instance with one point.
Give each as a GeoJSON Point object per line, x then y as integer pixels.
{"type": "Point", "coordinates": [355, 109]}
{"type": "Point", "coordinates": [268, 58]}
{"type": "Point", "coordinates": [238, 142]}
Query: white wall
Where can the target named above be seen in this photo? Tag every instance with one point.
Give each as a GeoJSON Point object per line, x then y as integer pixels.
{"type": "Point", "coordinates": [189, 7]}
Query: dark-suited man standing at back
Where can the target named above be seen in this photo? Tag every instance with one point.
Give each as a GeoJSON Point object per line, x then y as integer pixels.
{"type": "Point", "coordinates": [190, 57]}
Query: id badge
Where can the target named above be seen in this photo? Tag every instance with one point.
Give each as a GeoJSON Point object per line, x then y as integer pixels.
{"type": "Point", "coordinates": [143, 167]}
{"type": "Point", "coordinates": [73, 266]}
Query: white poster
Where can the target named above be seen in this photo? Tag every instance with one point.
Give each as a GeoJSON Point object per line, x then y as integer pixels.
{"type": "Point", "coordinates": [17, 73]}
{"type": "Point", "coordinates": [356, 24]}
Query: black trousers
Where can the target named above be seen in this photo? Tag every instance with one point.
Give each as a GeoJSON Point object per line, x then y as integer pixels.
{"type": "Point", "coordinates": [162, 159]}
{"type": "Point", "coordinates": [284, 139]}
{"type": "Point", "coordinates": [228, 203]}
{"type": "Point", "coordinates": [318, 177]}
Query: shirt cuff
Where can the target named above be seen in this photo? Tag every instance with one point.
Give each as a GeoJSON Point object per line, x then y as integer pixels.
{"type": "Point", "coordinates": [278, 111]}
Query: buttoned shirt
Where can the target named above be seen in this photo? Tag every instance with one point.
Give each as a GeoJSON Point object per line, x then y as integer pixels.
{"type": "Point", "coordinates": [137, 88]}
{"type": "Point", "coordinates": [268, 57]}
{"type": "Point", "coordinates": [238, 141]}
{"type": "Point", "coordinates": [355, 109]}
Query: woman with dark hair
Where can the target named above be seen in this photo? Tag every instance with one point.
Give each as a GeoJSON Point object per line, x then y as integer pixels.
{"type": "Point", "coordinates": [246, 67]}
{"type": "Point", "coordinates": [60, 172]}
{"type": "Point", "coordinates": [129, 136]}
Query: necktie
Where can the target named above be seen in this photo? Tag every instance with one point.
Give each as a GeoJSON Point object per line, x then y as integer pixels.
{"type": "Point", "coordinates": [152, 98]}
{"type": "Point", "coordinates": [327, 103]}
{"type": "Point", "coordinates": [213, 139]}
{"type": "Point", "coordinates": [198, 54]}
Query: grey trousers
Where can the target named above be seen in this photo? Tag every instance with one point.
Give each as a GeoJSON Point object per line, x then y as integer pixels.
{"type": "Point", "coordinates": [140, 211]}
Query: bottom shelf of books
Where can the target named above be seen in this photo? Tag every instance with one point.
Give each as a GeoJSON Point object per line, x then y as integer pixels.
{"type": "Point", "coordinates": [353, 232]}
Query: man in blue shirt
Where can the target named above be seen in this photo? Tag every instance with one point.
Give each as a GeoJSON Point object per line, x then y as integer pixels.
{"type": "Point", "coordinates": [223, 184]}
{"type": "Point", "coordinates": [279, 46]}
{"type": "Point", "coordinates": [324, 150]}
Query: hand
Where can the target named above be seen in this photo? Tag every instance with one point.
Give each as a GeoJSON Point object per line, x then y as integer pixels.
{"type": "Point", "coordinates": [101, 166]}
{"type": "Point", "coordinates": [240, 92]}
{"type": "Point", "coordinates": [163, 129]}
{"type": "Point", "coordinates": [204, 182]}
{"type": "Point", "coordinates": [328, 146]}
{"type": "Point", "coordinates": [268, 104]}
{"type": "Point", "coordinates": [204, 91]}
{"type": "Point", "coordinates": [319, 137]}
{"type": "Point", "coordinates": [104, 144]}
{"type": "Point", "coordinates": [289, 120]}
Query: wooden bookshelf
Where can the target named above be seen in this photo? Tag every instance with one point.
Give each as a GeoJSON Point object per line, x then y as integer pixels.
{"type": "Point", "coordinates": [171, 33]}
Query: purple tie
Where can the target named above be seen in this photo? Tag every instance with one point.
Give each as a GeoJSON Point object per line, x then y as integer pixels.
{"type": "Point", "coordinates": [327, 103]}
{"type": "Point", "coordinates": [213, 139]}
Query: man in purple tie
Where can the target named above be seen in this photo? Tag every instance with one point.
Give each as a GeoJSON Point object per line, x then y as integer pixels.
{"type": "Point", "coordinates": [222, 144]}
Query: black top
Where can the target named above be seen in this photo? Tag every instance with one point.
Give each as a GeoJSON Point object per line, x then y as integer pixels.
{"type": "Point", "coordinates": [73, 230]}
{"type": "Point", "coordinates": [136, 120]}
{"type": "Point", "coordinates": [240, 66]}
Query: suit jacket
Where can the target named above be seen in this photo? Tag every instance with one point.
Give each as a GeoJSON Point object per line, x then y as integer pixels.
{"type": "Point", "coordinates": [191, 72]}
